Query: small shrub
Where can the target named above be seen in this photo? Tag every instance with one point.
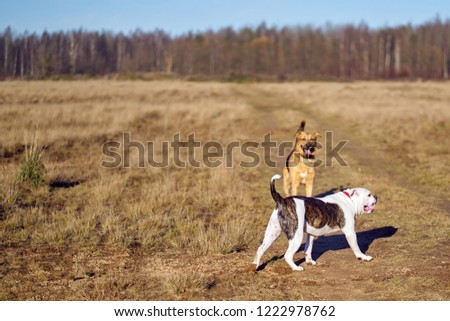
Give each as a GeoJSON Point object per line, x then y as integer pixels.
{"type": "Point", "coordinates": [32, 170]}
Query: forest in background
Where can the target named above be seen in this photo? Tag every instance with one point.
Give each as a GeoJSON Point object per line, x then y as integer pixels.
{"type": "Point", "coordinates": [281, 53]}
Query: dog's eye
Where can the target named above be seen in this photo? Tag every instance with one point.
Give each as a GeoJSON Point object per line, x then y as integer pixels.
{"type": "Point", "coordinates": [369, 195]}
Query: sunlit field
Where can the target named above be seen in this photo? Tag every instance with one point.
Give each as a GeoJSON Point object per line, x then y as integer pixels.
{"type": "Point", "coordinates": [90, 232]}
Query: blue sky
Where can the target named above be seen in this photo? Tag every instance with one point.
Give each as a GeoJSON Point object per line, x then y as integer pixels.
{"type": "Point", "coordinates": [180, 16]}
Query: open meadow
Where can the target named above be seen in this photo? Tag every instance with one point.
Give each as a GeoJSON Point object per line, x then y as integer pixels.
{"type": "Point", "coordinates": [89, 232]}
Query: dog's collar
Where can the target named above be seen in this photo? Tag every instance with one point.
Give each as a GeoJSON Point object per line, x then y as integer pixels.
{"type": "Point", "coordinates": [346, 193]}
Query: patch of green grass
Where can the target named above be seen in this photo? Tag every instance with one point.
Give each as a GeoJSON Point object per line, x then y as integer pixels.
{"type": "Point", "coordinates": [32, 170]}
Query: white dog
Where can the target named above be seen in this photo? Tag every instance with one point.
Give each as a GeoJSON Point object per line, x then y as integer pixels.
{"type": "Point", "coordinates": [315, 216]}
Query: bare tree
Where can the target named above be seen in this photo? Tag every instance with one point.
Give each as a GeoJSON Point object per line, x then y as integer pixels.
{"type": "Point", "coordinates": [349, 51]}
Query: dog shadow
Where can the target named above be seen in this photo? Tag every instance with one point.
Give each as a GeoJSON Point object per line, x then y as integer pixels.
{"type": "Point", "coordinates": [338, 242]}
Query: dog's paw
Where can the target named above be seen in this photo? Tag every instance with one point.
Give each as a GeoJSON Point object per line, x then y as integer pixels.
{"type": "Point", "coordinates": [297, 268]}
{"type": "Point", "coordinates": [366, 258]}
{"type": "Point", "coordinates": [251, 269]}
{"type": "Point", "coordinates": [311, 261]}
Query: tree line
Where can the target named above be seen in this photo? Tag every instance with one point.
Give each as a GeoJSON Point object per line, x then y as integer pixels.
{"type": "Point", "coordinates": [287, 53]}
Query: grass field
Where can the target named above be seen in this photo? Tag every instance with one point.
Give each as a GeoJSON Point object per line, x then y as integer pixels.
{"type": "Point", "coordinates": [93, 233]}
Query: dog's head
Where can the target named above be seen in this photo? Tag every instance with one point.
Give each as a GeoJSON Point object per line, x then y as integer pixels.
{"type": "Point", "coordinates": [306, 143]}
{"type": "Point", "coordinates": [364, 200]}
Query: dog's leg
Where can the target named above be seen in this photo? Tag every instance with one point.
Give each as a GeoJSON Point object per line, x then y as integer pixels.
{"type": "Point", "coordinates": [309, 184]}
{"type": "Point", "coordinates": [294, 245]}
{"type": "Point", "coordinates": [273, 230]}
{"type": "Point", "coordinates": [295, 182]}
{"type": "Point", "coordinates": [308, 249]}
{"type": "Point", "coordinates": [350, 235]}
{"type": "Point", "coordinates": [286, 181]}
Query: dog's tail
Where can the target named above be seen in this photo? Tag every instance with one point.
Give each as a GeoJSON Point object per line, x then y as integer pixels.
{"type": "Point", "coordinates": [275, 195]}
{"type": "Point", "coordinates": [302, 126]}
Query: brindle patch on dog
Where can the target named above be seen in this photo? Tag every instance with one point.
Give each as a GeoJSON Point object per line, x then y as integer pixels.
{"type": "Point", "coordinates": [287, 217]}
{"type": "Point", "coordinates": [318, 213]}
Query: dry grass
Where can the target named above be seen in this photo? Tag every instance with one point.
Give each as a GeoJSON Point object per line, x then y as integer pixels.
{"type": "Point", "coordinates": [190, 233]}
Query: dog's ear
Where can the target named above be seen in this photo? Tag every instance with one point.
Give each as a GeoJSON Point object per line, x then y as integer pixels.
{"type": "Point", "coordinates": [302, 126]}
{"type": "Point", "coordinates": [354, 192]}
{"type": "Point", "coordinates": [316, 135]}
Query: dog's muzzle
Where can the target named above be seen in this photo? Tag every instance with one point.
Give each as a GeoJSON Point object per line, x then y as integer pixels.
{"type": "Point", "coordinates": [309, 149]}
{"type": "Point", "coordinates": [371, 207]}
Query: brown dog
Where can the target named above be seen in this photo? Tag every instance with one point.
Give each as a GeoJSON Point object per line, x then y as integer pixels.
{"type": "Point", "coordinates": [300, 162]}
